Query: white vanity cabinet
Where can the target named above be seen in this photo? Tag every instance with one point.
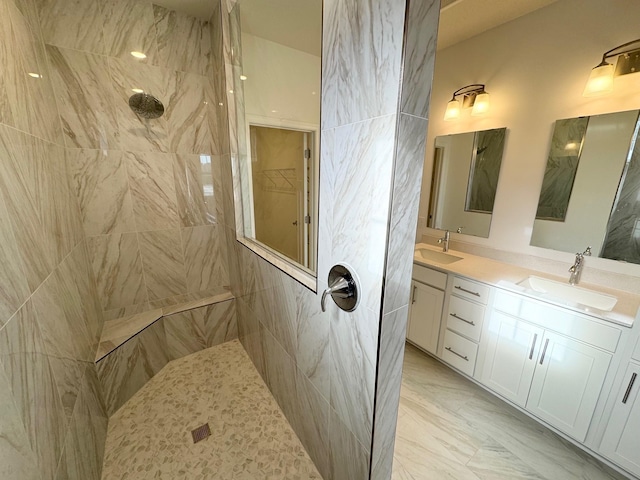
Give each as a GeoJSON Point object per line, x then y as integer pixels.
{"type": "Point", "coordinates": [463, 319]}
{"type": "Point", "coordinates": [512, 349]}
{"type": "Point", "coordinates": [427, 299]}
{"type": "Point", "coordinates": [621, 441]}
{"type": "Point", "coordinates": [548, 360]}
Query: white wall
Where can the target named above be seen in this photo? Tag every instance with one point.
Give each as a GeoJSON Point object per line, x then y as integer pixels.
{"type": "Point", "coordinates": [282, 79]}
{"type": "Point", "coordinates": [535, 68]}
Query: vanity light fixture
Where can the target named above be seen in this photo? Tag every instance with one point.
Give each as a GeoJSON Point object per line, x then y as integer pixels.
{"type": "Point", "coordinates": [472, 96]}
{"type": "Point", "coordinates": [601, 77]}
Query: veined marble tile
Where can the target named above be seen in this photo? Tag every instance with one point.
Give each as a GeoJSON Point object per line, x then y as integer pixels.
{"type": "Point", "coordinates": [367, 45]}
{"type": "Point", "coordinates": [194, 330]}
{"type": "Point", "coordinates": [102, 188]}
{"type": "Point", "coordinates": [349, 460]}
{"type": "Point", "coordinates": [60, 212]}
{"type": "Point", "coordinates": [86, 437]}
{"type": "Point", "coordinates": [8, 79]}
{"type": "Point", "coordinates": [85, 98]}
{"type": "Point", "coordinates": [33, 387]}
{"type": "Point", "coordinates": [184, 42]}
{"type": "Point", "coordinates": [60, 319]}
{"type": "Point", "coordinates": [187, 114]}
{"type": "Point", "coordinates": [14, 289]}
{"type": "Point", "coordinates": [118, 331]}
{"type": "Point", "coordinates": [82, 274]}
{"type": "Point", "coordinates": [133, 364]}
{"type": "Point", "coordinates": [22, 175]}
{"type": "Point", "coordinates": [31, 99]}
{"type": "Point", "coordinates": [129, 27]}
{"type": "Point", "coordinates": [393, 331]}
{"type": "Point", "coordinates": [190, 173]}
{"type": "Point", "coordinates": [280, 374]}
{"type": "Point", "coordinates": [205, 258]}
{"type": "Point", "coordinates": [200, 299]}
{"type": "Point", "coordinates": [408, 164]}
{"type": "Point", "coordinates": [127, 311]}
{"type": "Point", "coordinates": [363, 176]}
{"type": "Point", "coordinates": [138, 134]}
{"type": "Point", "coordinates": [153, 190]}
{"type": "Point", "coordinates": [72, 24]}
{"type": "Point", "coordinates": [163, 263]}
{"type": "Point", "coordinates": [117, 267]}
{"type": "Point", "coordinates": [354, 345]}
{"type": "Point", "coordinates": [17, 459]}
{"type": "Point", "coordinates": [421, 33]}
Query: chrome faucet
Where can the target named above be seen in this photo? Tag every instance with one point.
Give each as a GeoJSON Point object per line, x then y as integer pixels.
{"type": "Point", "coordinates": [445, 241]}
{"type": "Point", "coordinates": [576, 268]}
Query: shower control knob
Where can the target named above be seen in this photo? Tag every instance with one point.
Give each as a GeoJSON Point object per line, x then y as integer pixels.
{"type": "Point", "coordinates": [343, 288]}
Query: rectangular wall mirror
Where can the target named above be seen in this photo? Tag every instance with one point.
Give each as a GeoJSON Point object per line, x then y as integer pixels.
{"type": "Point", "coordinates": [590, 194]}
{"type": "Point", "coordinates": [466, 170]}
{"type": "Point", "coordinates": [276, 69]}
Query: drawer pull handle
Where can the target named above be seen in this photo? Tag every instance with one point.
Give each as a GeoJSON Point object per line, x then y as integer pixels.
{"type": "Point", "coordinates": [463, 319]}
{"type": "Point", "coordinates": [533, 346]}
{"type": "Point", "coordinates": [464, 357]}
{"type": "Point", "coordinates": [544, 351]}
{"type": "Point", "coordinates": [413, 295]}
{"type": "Point", "coordinates": [467, 291]}
{"type": "Point", "coordinates": [628, 392]}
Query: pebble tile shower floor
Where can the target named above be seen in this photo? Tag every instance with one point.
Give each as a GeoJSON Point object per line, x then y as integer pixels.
{"type": "Point", "coordinates": [150, 436]}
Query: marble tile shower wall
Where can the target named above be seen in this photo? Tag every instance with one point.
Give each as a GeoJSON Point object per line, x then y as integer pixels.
{"type": "Point", "coordinates": [148, 189]}
{"type": "Point", "coordinates": [332, 373]}
{"type": "Point", "coordinates": [52, 417]}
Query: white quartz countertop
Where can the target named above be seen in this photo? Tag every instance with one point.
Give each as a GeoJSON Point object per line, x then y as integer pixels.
{"type": "Point", "coordinates": [507, 277]}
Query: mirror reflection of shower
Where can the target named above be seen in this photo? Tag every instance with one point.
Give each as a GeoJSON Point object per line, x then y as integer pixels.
{"type": "Point", "coordinates": [146, 106]}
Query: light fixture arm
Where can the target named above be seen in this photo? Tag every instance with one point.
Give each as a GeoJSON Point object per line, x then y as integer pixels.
{"type": "Point", "coordinates": [614, 51]}
{"type": "Point", "coordinates": [476, 88]}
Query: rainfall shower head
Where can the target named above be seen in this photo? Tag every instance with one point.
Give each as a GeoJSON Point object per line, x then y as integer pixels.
{"type": "Point", "coordinates": [145, 105]}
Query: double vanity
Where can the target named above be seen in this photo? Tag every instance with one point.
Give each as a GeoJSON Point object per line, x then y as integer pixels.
{"type": "Point", "coordinates": [567, 355]}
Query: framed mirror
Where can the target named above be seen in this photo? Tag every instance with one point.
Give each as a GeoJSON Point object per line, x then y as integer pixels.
{"type": "Point", "coordinates": [590, 194]}
{"type": "Point", "coordinates": [276, 53]}
{"type": "Point", "coordinates": [466, 170]}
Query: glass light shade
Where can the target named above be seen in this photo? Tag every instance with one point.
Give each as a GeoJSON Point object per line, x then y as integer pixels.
{"type": "Point", "coordinates": [481, 105]}
{"type": "Point", "coordinates": [453, 111]}
{"type": "Point", "coordinates": [600, 81]}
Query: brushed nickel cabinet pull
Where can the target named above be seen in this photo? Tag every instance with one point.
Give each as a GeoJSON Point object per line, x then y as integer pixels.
{"type": "Point", "coordinates": [533, 346]}
{"type": "Point", "coordinates": [463, 319]}
{"type": "Point", "coordinates": [466, 291]}
{"type": "Point", "coordinates": [464, 357]}
{"type": "Point", "coordinates": [628, 392]}
{"type": "Point", "coordinates": [544, 351]}
{"type": "Point", "coordinates": [413, 295]}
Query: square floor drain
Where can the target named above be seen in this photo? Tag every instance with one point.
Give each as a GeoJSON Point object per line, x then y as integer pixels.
{"type": "Point", "coordinates": [201, 433]}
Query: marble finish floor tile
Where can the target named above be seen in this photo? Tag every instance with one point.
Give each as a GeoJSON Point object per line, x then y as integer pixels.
{"type": "Point", "coordinates": [150, 436]}
{"type": "Point", "coordinates": [448, 427]}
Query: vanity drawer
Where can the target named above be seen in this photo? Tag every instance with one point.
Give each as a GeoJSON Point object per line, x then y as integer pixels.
{"type": "Point", "coordinates": [471, 290]}
{"type": "Point", "coordinates": [430, 277]}
{"type": "Point", "coordinates": [465, 317]}
{"type": "Point", "coordinates": [459, 352]}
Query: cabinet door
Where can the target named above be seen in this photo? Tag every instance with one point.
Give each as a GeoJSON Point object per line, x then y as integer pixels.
{"type": "Point", "coordinates": [510, 360]}
{"type": "Point", "coordinates": [567, 383]}
{"type": "Point", "coordinates": [426, 312]}
{"type": "Point", "coordinates": [621, 442]}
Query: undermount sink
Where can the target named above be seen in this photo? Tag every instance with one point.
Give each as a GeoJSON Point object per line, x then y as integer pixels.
{"type": "Point", "coordinates": [436, 256]}
{"type": "Point", "coordinates": [571, 293]}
